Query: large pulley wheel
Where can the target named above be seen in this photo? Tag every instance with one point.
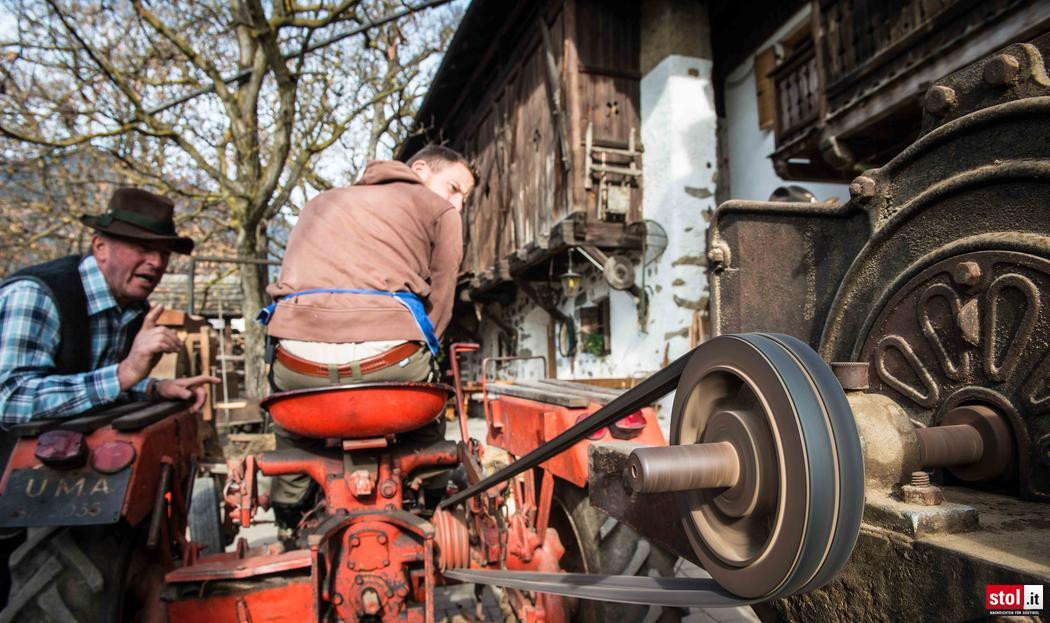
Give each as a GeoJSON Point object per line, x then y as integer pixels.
{"type": "Point", "coordinates": [777, 472]}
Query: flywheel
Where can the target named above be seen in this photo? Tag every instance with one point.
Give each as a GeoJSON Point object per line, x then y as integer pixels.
{"type": "Point", "coordinates": [789, 519]}
{"type": "Point", "coordinates": [765, 465]}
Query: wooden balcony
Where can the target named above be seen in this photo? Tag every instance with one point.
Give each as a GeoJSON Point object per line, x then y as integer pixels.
{"type": "Point", "coordinates": [851, 97]}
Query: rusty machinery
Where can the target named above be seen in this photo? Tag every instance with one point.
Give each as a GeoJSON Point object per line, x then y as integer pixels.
{"type": "Point", "coordinates": [899, 481]}
{"type": "Point", "coordinates": [930, 290]}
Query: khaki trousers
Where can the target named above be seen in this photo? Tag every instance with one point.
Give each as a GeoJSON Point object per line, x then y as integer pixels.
{"type": "Point", "coordinates": [294, 490]}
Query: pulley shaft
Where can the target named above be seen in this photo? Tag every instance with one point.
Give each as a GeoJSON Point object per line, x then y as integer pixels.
{"type": "Point", "coordinates": [973, 441]}
{"type": "Point", "coordinates": [683, 468]}
{"type": "Point", "coordinates": [948, 446]}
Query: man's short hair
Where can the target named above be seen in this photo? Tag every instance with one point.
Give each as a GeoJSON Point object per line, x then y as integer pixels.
{"type": "Point", "coordinates": [438, 157]}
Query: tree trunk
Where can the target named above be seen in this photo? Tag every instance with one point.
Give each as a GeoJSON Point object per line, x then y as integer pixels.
{"type": "Point", "coordinates": [253, 289]}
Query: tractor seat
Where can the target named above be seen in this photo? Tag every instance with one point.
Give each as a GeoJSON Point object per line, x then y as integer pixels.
{"type": "Point", "coordinates": [359, 411]}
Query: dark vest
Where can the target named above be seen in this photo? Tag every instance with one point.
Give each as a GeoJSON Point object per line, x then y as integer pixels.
{"type": "Point", "coordinates": [61, 280]}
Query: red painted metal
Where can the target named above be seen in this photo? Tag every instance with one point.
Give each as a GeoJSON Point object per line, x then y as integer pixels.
{"type": "Point", "coordinates": [240, 565]}
{"type": "Point", "coordinates": [524, 425]}
{"type": "Point", "coordinates": [461, 407]}
{"type": "Point", "coordinates": [170, 441]}
{"type": "Point", "coordinates": [452, 539]}
{"type": "Point", "coordinates": [367, 556]}
{"type": "Point", "coordinates": [628, 427]}
{"type": "Point", "coordinates": [356, 411]}
{"type": "Point", "coordinates": [174, 436]}
{"type": "Point", "coordinates": [290, 601]}
{"type": "Point", "coordinates": [112, 456]}
{"type": "Point", "coordinates": [485, 374]}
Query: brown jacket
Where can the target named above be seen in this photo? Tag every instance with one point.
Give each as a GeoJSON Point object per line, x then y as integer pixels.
{"type": "Point", "coordinates": [386, 232]}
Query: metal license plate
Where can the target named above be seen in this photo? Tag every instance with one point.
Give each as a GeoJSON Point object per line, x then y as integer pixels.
{"type": "Point", "coordinates": [47, 497]}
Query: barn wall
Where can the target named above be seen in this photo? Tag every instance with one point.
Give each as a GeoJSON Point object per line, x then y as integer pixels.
{"type": "Point", "coordinates": [677, 125]}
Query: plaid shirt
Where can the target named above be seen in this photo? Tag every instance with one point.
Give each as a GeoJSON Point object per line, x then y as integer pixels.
{"type": "Point", "coordinates": [29, 340]}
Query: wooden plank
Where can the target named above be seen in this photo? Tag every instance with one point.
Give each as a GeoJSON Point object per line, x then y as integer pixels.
{"type": "Point", "coordinates": [553, 396]}
{"type": "Point", "coordinates": [612, 383]}
{"type": "Point", "coordinates": [571, 389]}
{"type": "Point", "coordinates": [582, 387]}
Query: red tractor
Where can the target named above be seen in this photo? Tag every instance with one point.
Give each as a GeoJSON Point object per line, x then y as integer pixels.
{"type": "Point", "coordinates": [104, 500]}
{"type": "Point", "coordinates": [107, 500]}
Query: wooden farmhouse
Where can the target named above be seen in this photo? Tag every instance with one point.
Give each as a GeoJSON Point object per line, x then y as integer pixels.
{"type": "Point", "coordinates": [604, 132]}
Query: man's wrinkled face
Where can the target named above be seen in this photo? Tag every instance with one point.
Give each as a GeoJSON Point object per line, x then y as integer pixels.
{"type": "Point", "coordinates": [452, 182]}
{"type": "Point", "coordinates": [132, 268]}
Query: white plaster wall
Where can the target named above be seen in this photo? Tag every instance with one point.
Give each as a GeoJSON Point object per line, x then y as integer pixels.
{"type": "Point", "coordinates": [751, 173]}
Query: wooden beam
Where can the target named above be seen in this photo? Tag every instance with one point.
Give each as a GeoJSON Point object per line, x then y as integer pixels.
{"type": "Point", "coordinates": [538, 393]}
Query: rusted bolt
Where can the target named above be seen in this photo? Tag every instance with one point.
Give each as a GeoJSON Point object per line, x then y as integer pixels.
{"type": "Point", "coordinates": [1001, 70]}
{"type": "Point", "coordinates": [862, 188]}
{"type": "Point", "coordinates": [939, 100]}
{"type": "Point", "coordinates": [967, 274]}
{"type": "Point", "coordinates": [359, 580]}
{"type": "Point", "coordinates": [354, 541]}
{"type": "Point", "coordinates": [386, 563]}
{"type": "Point", "coordinates": [921, 492]}
{"type": "Point", "coordinates": [388, 489]}
{"type": "Point", "coordinates": [382, 539]}
{"type": "Point", "coordinates": [350, 564]}
{"type": "Point", "coordinates": [716, 255]}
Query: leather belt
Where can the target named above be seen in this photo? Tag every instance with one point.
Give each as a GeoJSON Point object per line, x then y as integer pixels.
{"type": "Point", "coordinates": [385, 359]}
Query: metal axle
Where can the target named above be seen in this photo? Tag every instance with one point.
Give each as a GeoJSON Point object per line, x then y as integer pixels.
{"type": "Point", "coordinates": [682, 468]}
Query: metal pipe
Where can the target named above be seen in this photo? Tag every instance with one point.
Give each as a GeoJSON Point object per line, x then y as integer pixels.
{"type": "Point", "coordinates": [153, 536]}
{"type": "Point", "coordinates": [461, 408]}
{"type": "Point", "coordinates": [682, 468]}
{"type": "Point", "coordinates": [947, 446]}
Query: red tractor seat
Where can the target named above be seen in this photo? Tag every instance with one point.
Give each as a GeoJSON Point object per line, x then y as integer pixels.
{"type": "Point", "coordinates": [357, 411]}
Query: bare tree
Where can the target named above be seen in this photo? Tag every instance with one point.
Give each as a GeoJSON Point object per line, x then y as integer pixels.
{"type": "Point", "coordinates": [298, 117]}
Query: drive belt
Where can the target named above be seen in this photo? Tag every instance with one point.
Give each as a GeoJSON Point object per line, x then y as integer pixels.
{"type": "Point", "coordinates": [674, 592]}
{"type": "Point", "coordinates": [645, 393]}
{"type": "Point", "coordinates": [815, 480]}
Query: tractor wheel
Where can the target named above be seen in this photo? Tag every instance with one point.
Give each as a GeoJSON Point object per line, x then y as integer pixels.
{"type": "Point", "coordinates": [70, 574]}
{"type": "Point", "coordinates": [598, 544]}
{"type": "Point", "coordinates": [205, 515]}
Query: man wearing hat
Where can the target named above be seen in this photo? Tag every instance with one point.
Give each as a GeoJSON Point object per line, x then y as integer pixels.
{"type": "Point", "coordinates": [77, 333]}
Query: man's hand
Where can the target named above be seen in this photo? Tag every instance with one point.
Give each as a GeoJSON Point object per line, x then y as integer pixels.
{"type": "Point", "coordinates": [185, 388]}
{"type": "Point", "coordinates": [150, 343]}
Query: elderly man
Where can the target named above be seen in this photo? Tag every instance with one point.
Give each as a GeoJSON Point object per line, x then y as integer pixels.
{"type": "Point", "coordinates": [366, 287]}
{"type": "Point", "coordinates": [77, 333]}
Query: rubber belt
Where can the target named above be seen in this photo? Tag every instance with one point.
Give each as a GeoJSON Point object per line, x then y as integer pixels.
{"type": "Point", "coordinates": [838, 511]}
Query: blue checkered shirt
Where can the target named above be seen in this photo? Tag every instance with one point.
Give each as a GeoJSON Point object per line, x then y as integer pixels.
{"type": "Point", "coordinates": [29, 340]}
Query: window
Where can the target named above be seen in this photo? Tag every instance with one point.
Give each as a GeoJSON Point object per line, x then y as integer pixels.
{"type": "Point", "coordinates": [594, 329]}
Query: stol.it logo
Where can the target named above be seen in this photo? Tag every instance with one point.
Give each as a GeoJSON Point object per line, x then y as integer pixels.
{"type": "Point", "coordinates": [1013, 598]}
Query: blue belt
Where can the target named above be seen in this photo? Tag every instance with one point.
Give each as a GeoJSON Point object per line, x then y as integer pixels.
{"type": "Point", "coordinates": [408, 299]}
